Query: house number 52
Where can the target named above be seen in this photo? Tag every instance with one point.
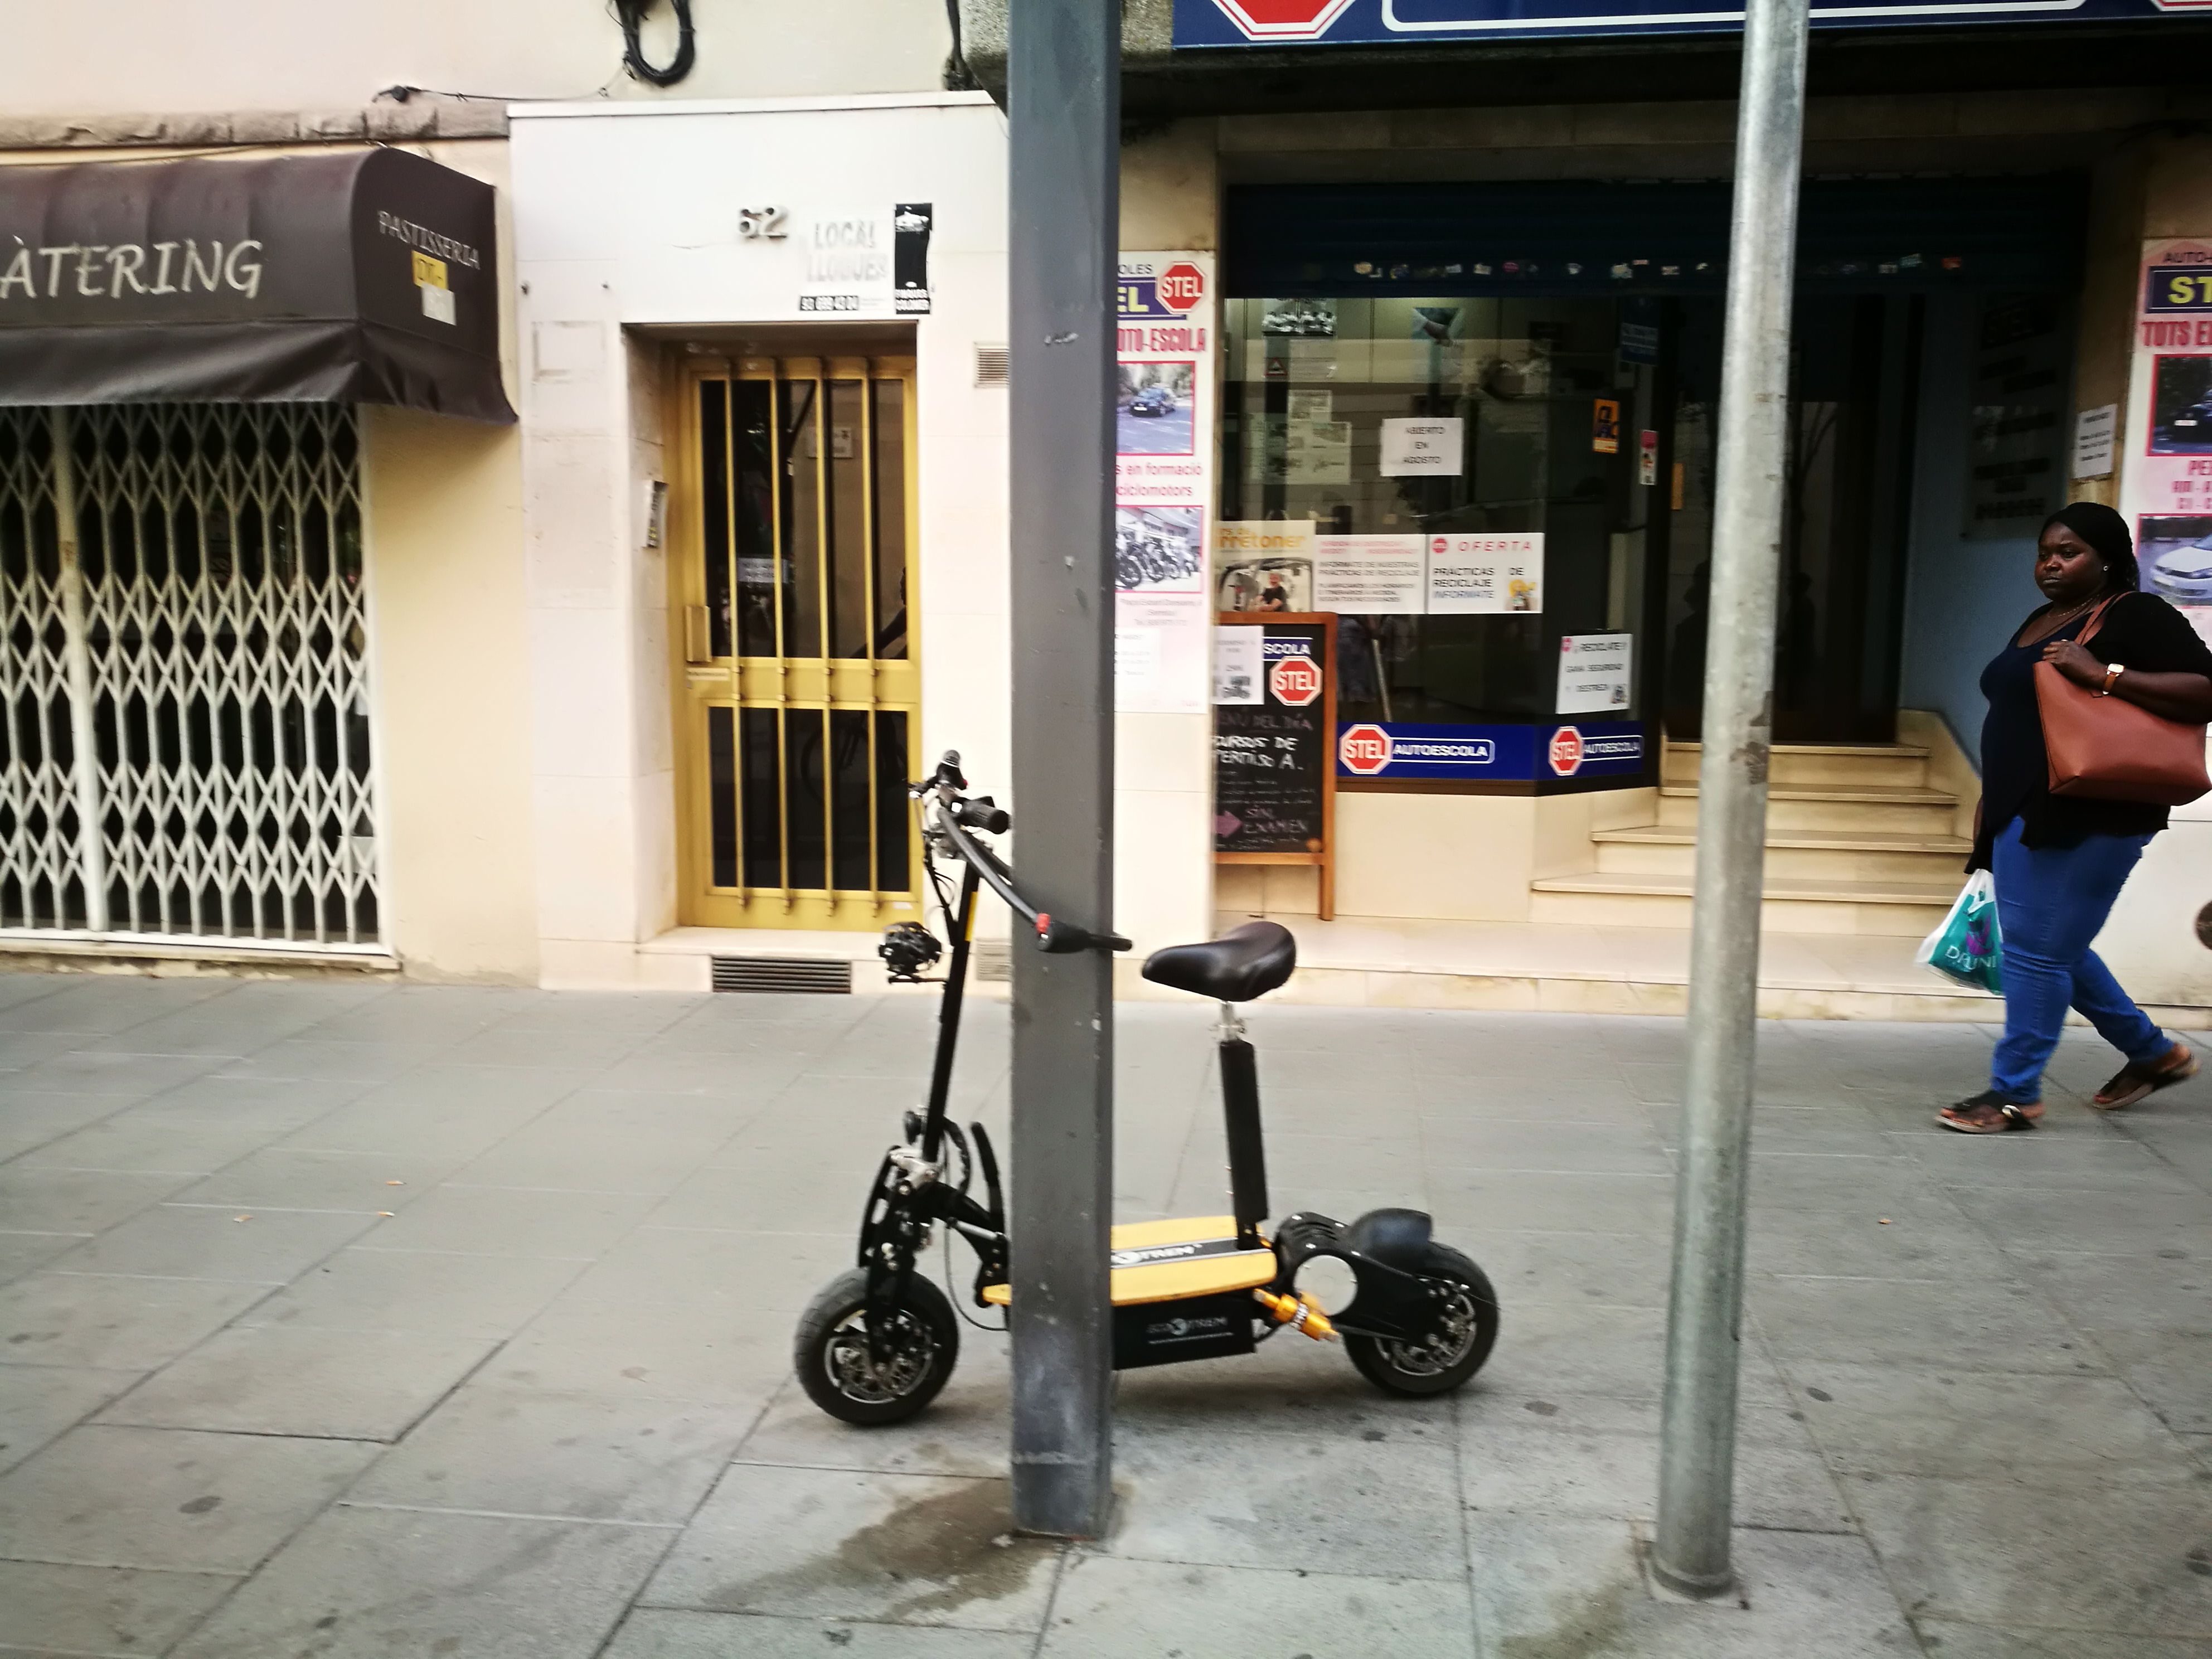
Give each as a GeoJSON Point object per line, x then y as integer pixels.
{"type": "Point", "coordinates": [760, 224]}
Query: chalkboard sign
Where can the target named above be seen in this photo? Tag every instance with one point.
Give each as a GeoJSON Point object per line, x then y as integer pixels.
{"type": "Point", "coordinates": [1274, 741]}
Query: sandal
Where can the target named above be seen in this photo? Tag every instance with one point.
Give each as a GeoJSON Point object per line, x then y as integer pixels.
{"type": "Point", "coordinates": [2133, 1082]}
{"type": "Point", "coordinates": [1990, 1113]}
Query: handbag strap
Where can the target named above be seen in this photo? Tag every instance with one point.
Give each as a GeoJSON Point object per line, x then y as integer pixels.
{"type": "Point", "coordinates": [2097, 619]}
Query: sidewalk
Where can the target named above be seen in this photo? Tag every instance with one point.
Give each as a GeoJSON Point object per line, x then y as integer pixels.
{"type": "Point", "coordinates": [364, 1319]}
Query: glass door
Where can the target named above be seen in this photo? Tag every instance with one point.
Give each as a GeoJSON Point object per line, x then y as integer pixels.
{"type": "Point", "coordinates": [792, 542]}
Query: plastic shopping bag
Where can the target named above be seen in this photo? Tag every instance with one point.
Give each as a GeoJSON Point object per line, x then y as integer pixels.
{"type": "Point", "coordinates": [1967, 947]}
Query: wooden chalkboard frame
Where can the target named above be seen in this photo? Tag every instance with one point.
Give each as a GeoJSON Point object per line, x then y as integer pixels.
{"type": "Point", "coordinates": [1325, 860]}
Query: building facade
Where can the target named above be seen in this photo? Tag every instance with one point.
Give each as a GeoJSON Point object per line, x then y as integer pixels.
{"type": "Point", "coordinates": [1419, 338]}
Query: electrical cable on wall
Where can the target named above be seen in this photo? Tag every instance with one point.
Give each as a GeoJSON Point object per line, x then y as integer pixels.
{"type": "Point", "coordinates": [630, 14]}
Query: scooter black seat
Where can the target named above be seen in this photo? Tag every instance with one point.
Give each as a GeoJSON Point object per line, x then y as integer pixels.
{"type": "Point", "coordinates": [1245, 962]}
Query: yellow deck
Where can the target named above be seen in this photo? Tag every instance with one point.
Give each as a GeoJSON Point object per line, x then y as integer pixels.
{"type": "Point", "coordinates": [1173, 1279]}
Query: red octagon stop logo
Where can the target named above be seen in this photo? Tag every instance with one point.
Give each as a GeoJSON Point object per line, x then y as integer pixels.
{"type": "Point", "coordinates": [1294, 680]}
{"type": "Point", "coordinates": [1363, 749]}
{"type": "Point", "coordinates": [1283, 20]}
{"type": "Point", "coordinates": [1566, 751]}
{"type": "Point", "coordinates": [1182, 286]}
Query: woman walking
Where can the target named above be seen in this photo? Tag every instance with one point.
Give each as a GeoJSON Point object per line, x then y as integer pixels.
{"type": "Point", "coordinates": [2059, 861]}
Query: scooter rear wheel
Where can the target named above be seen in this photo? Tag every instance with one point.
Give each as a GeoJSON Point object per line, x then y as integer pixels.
{"type": "Point", "coordinates": [831, 1352]}
{"type": "Point", "coordinates": [1465, 1332]}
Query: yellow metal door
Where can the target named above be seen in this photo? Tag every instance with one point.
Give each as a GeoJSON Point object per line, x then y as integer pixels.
{"type": "Point", "coordinates": [791, 549]}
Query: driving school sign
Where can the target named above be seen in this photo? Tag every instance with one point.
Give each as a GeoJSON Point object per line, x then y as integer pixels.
{"type": "Point", "coordinates": [1355, 22]}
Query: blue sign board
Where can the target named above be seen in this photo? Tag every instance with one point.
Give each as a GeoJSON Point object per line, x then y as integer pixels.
{"type": "Point", "coordinates": [1496, 754]}
{"type": "Point", "coordinates": [1370, 22]}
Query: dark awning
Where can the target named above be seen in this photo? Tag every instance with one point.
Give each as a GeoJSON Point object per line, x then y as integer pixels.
{"type": "Point", "coordinates": [367, 276]}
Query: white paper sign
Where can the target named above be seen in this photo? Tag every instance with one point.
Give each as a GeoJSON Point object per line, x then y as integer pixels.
{"type": "Point", "coordinates": [1370, 575]}
{"type": "Point", "coordinates": [2094, 430]}
{"type": "Point", "coordinates": [1593, 673]}
{"type": "Point", "coordinates": [1472, 575]}
{"type": "Point", "coordinates": [1237, 666]}
{"type": "Point", "coordinates": [1136, 661]}
{"type": "Point", "coordinates": [1422, 449]}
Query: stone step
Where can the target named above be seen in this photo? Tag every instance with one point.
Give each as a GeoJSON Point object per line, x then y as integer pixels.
{"type": "Point", "coordinates": [1894, 808]}
{"type": "Point", "coordinates": [1801, 854]}
{"type": "Point", "coordinates": [1601, 898]}
{"type": "Point", "coordinates": [1901, 763]}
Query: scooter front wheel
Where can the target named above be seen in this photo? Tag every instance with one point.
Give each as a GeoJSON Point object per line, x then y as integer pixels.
{"type": "Point", "coordinates": [831, 1352]}
{"type": "Point", "coordinates": [1466, 1329]}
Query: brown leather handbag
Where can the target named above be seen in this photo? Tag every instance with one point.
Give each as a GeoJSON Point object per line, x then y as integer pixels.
{"type": "Point", "coordinates": [2110, 749]}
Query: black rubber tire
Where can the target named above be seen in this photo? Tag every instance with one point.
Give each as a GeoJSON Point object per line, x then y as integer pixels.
{"type": "Point", "coordinates": [1379, 1360]}
{"type": "Point", "coordinates": [832, 1313]}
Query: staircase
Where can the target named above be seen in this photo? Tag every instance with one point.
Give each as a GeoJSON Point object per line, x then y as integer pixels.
{"type": "Point", "coordinates": [1856, 843]}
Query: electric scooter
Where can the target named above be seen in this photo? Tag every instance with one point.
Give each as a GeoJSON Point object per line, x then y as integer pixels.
{"type": "Point", "coordinates": [879, 1341]}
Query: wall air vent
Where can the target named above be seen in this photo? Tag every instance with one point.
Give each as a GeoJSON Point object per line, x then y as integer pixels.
{"type": "Point", "coordinates": [990, 365]}
{"type": "Point", "coordinates": [782, 974]}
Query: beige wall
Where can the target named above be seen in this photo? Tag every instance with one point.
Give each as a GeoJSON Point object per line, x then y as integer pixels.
{"type": "Point", "coordinates": [450, 688]}
{"type": "Point", "coordinates": [248, 55]}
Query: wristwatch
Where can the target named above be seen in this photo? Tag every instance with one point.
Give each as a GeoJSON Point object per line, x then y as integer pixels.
{"type": "Point", "coordinates": [2112, 672]}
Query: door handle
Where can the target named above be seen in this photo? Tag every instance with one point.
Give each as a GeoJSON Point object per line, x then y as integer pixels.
{"type": "Point", "coordinates": [696, 649]}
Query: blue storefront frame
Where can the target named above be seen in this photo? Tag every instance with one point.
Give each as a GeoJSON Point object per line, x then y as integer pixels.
{"type": "Point", "coordinates": [1398, 751]}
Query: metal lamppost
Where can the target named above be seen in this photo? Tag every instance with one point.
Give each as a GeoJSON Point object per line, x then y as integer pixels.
{"type": "Point", "coordinates": [1697, 1461]}
{"type": "Point", "coordinates": [1063, 109]}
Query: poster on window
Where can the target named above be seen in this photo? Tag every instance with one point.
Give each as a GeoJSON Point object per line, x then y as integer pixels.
{"type": "Point", "coordinates": [1593, 674]}
{"type": "Point", "coordinates": [1370, 575]}
{"type": "Point", "coordinates": [1264, 564]}
{"type": "Point", "coordinates": [1164, 488]}
{"type": "Point", "coordinates": [1482, 575]}
{"type": "Point", "coordinates": [2166, 473]}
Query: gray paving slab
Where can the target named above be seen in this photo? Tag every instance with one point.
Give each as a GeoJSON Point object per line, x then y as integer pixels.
{"type": "Point", "coordinates": [723, 1355]}
{"type": "Point", "coordinates": [314, 1178]}
{"type": "Point", "coordinates": [163, 1497]}
{"type": "Point", "coordinates": [19, 1049]}
{"type": "Point", "coordinates": [1117, 1608]}
{"type": "Point", "coordinates": [1548, 1148]}
{"type": "Point", "coordinates": [1545, 1586]}
{"type": "Point", "coordinates": [599, 1457]}
{"type": "Point", "coordinates": [2124, 1223]}
{"type": "Point", "coordinates": [341, 1384]}
{"type": "Point", "coordinates": [2115, 1559]}
{"type": "Point", "coordinates": [1591, 1457]}
{"type": "Point", "coordinates": [113, 1320]}
{"type": "Point", "coordinates": [98, 1004]}
{"type": "Point", "coordinates": [1291, 1386]}
{"type": "Point", "coordinates": [40, 1403]}
{"type": "Point", "coordinates": [1989, 1324]}
{"type": "Point", "coordinates": [314, 1056]}
{"type": "Point", "coordinates": [1523, 1202]}
{"type": "Point", "coordinates": [965, 1432]}
{"type": "Point", "coordinates": [436, 1291]}
{"type": "Point", "coordinates": [1986, 1425]}
{"type": "Point", "coordinates": [23, 1252]}
{"type": "Point", "coordinates": [2170, 1371]}
{"type": "Point", "coordinates": [691, 1267]}
{"type": "Point", "coordinates": [425, 1013]}
{"type": "Point", "coordinates": [29, 1121]}
{"type": "Point", "coordinates": [137, 1140]}
{"type": "Point", "coordinates": [45, 1198]}
{"type": "Point", "coordinates": [610, 1143]}
{"type": "Point", "coordinates": [1927, 1239]}
{"type": "Point", "coordinates": [1547, 1349]}
{"type": "Point", "coordinates": [111, 1072]}
{"type": "Point", "coordinates": [257, 1246]}
{"type": "Point", "coordinates": [363, 1584]}
{"type": "Point", "coordinates": [1314, 1505]}
{"type": "Point", "coordinates": [466, 1219]}
{"type": "Point", "coordinates": [1622, 1269]}
{"type": "Point", "coordinates": [667, 1633]}
{"type": "Point", "coordinates": [446, 1114]}
{"type": "Point", "coordinates": [50, 1609]}
{"type": "Point", "coordinates": [832, 1544]}
{"type": "Point", "coordinates": [2105, 1162]}
{"type": "Point", "coordinates": [1954, 1640]}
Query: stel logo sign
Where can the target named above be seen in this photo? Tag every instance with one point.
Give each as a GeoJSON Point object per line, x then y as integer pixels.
{"type": "Point", "coordinates": [1171, 293]}
{"type": "Point", "coordinates": [1566, 751]}
{"type": "Point", "coordinates": [1365, 749]}
{"type": "Point", "coordinates": [1295, 681]}
{"type": "Point", "coordinates": [1283, 20]}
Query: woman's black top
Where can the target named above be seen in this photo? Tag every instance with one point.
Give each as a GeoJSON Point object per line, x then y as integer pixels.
{"type": "Point", "coordinates": [2139, 630]}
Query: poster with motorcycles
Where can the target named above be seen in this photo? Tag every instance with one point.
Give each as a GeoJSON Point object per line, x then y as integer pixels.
{"type": "Point", "coordinates": [1163, 432]}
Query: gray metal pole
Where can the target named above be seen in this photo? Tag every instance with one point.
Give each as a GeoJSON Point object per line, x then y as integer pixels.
{"type": "Point", "coordinates": [1064, 117]}
{"type": "Point", "coordinates": [1697, 1458]}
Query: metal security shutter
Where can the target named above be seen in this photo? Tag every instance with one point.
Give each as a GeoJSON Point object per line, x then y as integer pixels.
{"type": "Point", "coordinates": [1595, 236]}
{"type": "Point", "coordinates": [185, 748]}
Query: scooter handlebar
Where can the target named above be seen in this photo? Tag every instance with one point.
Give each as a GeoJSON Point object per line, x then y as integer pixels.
{"type": "Point", "coordinates": [1054, 936]}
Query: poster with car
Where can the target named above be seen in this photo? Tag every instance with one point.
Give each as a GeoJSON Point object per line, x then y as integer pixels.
{"type": "Point", "coordinates": [1163, 432]}
{"type": "Point", "coordinates": [2166, 477]}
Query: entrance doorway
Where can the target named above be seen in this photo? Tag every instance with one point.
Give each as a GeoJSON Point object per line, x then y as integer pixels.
{"type": "Point", "coordinates": [793, 539]}
{"type": "Point", "coordinates": [1854, 386]}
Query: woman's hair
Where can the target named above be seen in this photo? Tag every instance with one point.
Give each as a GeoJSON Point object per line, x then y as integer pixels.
{"type": "Point", "coordinates": [2105, 532]}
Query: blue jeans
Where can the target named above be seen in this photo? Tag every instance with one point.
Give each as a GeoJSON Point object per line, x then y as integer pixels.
{"type": "Point", "coordinates": [2052, 902]}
